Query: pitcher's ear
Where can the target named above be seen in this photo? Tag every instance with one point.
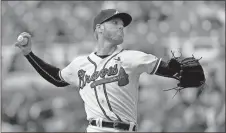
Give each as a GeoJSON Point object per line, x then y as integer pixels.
{"type": "Point", "coordinates": [99, 28]}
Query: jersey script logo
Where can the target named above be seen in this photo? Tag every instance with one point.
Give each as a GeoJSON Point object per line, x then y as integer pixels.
{"type": "Point", "coordinates": [122, 78]}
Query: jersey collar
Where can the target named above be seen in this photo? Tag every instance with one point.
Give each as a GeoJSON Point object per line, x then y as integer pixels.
{"type": "Point", "coordinates": [96, 58]}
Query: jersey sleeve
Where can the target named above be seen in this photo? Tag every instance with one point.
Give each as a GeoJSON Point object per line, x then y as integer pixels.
{"type": "Point", "coordinates": [146, 62]}
{"type": "Point", "coordinates": [70, 73]}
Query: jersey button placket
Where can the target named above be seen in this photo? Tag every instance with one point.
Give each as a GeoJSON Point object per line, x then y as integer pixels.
{"type": "Point", "coordinates": [102, 100]}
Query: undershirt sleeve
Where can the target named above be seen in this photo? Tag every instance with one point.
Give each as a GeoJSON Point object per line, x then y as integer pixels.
{"type": "Point", "coordinates": [165, 71]}
{"type": "Point", "coordinates": [47, 71]}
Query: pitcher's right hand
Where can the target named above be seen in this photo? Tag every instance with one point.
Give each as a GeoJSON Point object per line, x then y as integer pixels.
{"type": "Point", "coordinates": [24, 43]}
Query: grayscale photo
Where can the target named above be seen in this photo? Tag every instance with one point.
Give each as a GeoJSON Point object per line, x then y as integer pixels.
{"type": "Point", "coordinates": [112, 66]}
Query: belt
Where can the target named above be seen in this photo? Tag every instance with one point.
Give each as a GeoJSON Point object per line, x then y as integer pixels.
{"type": "Point", "coordinates": [114, 124]}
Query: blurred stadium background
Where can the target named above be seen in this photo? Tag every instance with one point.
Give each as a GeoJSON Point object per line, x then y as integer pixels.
{"type": "Point", "coordinates": [63, 30]}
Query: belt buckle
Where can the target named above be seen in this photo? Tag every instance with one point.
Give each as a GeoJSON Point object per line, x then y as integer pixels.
{"type": "Point", "coordinates": [115, 124]}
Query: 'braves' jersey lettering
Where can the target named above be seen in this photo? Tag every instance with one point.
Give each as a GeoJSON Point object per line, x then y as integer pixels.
{"type": "Point", "coordinates": [122, 77]}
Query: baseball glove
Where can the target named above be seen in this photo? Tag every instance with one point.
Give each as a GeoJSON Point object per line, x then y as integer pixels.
{"type": "Point", "coordinates": [188, 71]}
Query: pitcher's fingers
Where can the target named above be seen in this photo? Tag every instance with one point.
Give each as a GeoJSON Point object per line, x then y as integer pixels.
{"type": "Point", "coordinates": [25, 34]}
{"type": "Point", "coordinates": [17, 44]}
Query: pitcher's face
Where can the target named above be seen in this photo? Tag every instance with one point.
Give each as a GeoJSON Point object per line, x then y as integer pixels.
{"type": "Point", "coordinates": [113, 31]}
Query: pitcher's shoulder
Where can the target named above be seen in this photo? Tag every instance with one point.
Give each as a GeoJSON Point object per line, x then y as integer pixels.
{"type": "Point", "coordinates": [133, 54]}
{"type": "Point", "coordinates": [79, 59]}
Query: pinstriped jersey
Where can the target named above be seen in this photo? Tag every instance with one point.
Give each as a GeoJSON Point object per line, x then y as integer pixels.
{"type": "Point", "coordinates": [109, 86]}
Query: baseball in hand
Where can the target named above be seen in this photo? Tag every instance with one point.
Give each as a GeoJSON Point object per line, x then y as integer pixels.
{"type": "Point", "coordinates": [22, 40]}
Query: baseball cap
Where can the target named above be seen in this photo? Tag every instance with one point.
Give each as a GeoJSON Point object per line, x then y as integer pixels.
{"type": "Point", "coordinates": [108, 14]}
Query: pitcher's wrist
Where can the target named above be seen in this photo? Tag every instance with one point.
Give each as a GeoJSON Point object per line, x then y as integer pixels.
{"type": "Point", "coordinates": [26, 52]}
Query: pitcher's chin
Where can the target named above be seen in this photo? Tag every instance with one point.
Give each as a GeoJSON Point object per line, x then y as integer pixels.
{"type": "Point", "coordinates": [119, 41]}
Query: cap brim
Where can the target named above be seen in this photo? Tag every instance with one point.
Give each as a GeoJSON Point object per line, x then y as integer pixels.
{"type": "Point", "coordinates": [126, 18]}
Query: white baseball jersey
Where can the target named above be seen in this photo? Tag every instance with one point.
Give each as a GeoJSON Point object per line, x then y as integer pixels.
{"type": "Point", "coordinates": [109, 86]}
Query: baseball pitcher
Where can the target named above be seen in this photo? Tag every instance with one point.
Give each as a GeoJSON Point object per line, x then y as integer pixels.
{"type": "Point", "coordinates": [107, 79]}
